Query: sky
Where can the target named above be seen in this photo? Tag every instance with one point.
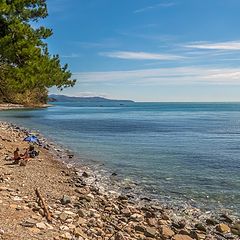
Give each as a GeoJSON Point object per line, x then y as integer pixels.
{"type": "Point", "coordinates": [149, 50]}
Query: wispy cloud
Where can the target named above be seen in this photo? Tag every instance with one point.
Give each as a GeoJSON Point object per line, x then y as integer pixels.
{"type": "Point", "coordinates": [164, 76]}
{"type": "Point", "coordinates": [160, 5]}
{"type": "Point", "coordinates": [229, 45]}
{"type": "Point", "coordinates": [88, 94]}
{"type": "Point", "coordinates": [140, 55]}
{"type": "Point", "coordinates": [74, 92]}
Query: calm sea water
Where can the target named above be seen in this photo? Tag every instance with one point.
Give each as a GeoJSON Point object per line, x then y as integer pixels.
{"type": "Point", "coordinates": [173, 151]}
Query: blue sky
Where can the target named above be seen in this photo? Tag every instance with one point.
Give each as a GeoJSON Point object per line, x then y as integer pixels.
{"type": "Point", "coordinates": [149, 50]}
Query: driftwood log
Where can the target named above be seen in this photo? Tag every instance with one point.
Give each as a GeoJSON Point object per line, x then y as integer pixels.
{"type": "Point", "coordinates": [43, 205]}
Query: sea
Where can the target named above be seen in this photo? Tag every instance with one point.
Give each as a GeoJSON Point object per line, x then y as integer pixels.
{"type": "Point", "coordinates": [174, 152]}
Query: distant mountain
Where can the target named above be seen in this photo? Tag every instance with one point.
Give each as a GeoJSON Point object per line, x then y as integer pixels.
{"type": "Point", "coordinates": [63, 98]}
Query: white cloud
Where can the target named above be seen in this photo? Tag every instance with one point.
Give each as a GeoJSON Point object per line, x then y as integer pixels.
{"type": "Point", "coordinates": [160, 5]}
{"type": "Point", "coordinates": [140, 55]}
{"type": "Point", "coordinates": [87, 94]}
{"type": "Point", "coordinates": [230, 45]}
{"type": "Point", "coordinates": [163, 76]}
{"type": "Point", "coordinates": [74, 92]}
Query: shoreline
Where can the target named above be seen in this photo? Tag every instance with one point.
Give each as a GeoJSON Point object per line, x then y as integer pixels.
{"type": "Point", "coordinates": [88, 210]}
{"type": "Point", "coordinates": [11, 106]}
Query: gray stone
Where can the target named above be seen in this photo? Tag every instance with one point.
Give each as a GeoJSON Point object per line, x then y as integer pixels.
{"type": "Point", "coordinates": [126, 212]}
{"type": "Point", "coordinates": [150, 232]}
{"type": "Point", "coordinates": [180, 225]}
{"type": "Point", "coordinates": [85, 174]}
{"type": "Point", "coordinates": [122, 197]}
{"type": "Point", "coordinates": [211, 221]}
{"type": "Point", "coordinates": [41, 225]}
{"type": "Point", "coordinates": [85, 197]}
{"type": "Point", "coordinates": [81, 221]}
{"type": "Point", "coordinates": [235, 229]}
{"type": "Point", "coordinates": [226, 218]}
{"type": "Point", "coordinates": [136, 217]}
{"type": "Point", "coordinates": [82, 213]}
{"type": "Point", "coordinates": [63, 216]}
{"type": "Point", "coordinates": [65, 200]}
{"type": "Point", "coordinates": [119, 236]}
{"type": "Point", "coordinates": [139, 228]}
{"type": "Point", "coordinates": [201, 227]}
{"type": "Point", "coordinates": [152, 222]}
{"type": "Point", "coordinates": [79, 233]}
{"type": "Point", "coordinates": [29, 223]}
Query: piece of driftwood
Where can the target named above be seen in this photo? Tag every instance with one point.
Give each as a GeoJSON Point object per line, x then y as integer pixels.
{"type": "Point", "coordinates": [43, 205]}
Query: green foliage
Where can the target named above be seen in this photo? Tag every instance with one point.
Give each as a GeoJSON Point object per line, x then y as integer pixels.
{"type": "Point", "coordinates": [26, 67]}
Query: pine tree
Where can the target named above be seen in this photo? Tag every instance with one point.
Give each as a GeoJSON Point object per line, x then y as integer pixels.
{"type": "Point", "coordinates": [27, 69]}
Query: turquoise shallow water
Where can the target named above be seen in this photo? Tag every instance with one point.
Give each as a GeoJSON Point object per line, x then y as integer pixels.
{"type": "Point", "coordinates": [174, 151]}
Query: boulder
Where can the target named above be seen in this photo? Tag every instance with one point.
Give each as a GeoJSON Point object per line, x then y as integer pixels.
{"type": "Point", "coordinates": [226, 218]}
{"type": "Point", "coordinates": [166, 232]}
{"type": "Point", "coordinates": [150, 232]}
{"type": "Point", "coordinates": [181, 237]}
{"type": "Point", "coordinates": [126, 212]}
{"type": "Point", "coordinates": [87, 198]}
{"type": "Point", "coordinates": [63, 216]}
{"type": "Point", "coordinates": [41, 225]}
{"type": "Point", "coordinates": [211, 221]}
{"type": "Point", "coordinates": [150, 214]}
{"type": "Point", "coordinates": [65, 200]}
{"type": "Point", "coordinates": [152, 222]}
{"type": "Point", "coordinates": [85, 174]}
{"type": "Point", "coordinates": [223, 228]}
{"type": "Point", "coordinates": [81, 221]}
{"type": "Point", "coordinates": [122, 198]}
{"type": "Point", "coordinates": [139, 228]}
{"type": "Point", "coordinates": [64, 228]}
{"type": "Point", "coordinates": [66, 236]}
{"type": "Point", "coordinates": [79, 233]}
{"type": "Point", "coordinates": [198, 235]}
{"type": "Point", "coordinates": [29, 223]}
{"type": "Point", "coordinates": [119, 236]}
{"type": "Point", "coordinates": [82, 190]}
{"type": "Point", "coordinates": [201, 227]}
{"type": "Point", "coordinates": [164, 216]}
{"type": "Point", "coordinates": [180, 225]}
{"type": "Point", "coordinates": [136, 217]}
{"type": "Point", "coordinates": [235, 229]}
{"type": "Point", "coordinates": [82, 213]}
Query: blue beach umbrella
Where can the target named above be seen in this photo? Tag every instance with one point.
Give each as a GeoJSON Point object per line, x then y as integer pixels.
{"type": "Point", "coordinates": [31, 139]}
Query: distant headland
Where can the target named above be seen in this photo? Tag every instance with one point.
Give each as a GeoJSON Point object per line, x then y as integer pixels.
{"type": "Point", "coordinates": [64, 98]}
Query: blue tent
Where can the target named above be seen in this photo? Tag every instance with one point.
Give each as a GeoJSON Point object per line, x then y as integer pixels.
{"type": "Point", "coordinates": [31, 139]}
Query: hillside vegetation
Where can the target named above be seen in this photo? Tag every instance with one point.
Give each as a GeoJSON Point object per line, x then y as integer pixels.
{"type": "Point", "coordinates": [27, 69]}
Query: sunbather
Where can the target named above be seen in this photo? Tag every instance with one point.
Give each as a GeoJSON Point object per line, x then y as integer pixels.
{"type": "Point", "coordinates": [32, 152]}
{"type": "Point", "coordinates": [16, 156]}
{"type": "Point", "coordinates": [24, 158]}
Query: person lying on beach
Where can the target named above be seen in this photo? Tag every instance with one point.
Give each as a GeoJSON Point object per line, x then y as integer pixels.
{"type": "Point", "coordinates": [32, 152]}
{"type": "Point", "coordinates": [16, 156]}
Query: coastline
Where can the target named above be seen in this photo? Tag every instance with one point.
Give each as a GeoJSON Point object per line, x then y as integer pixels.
{"type": "Point", "coordinates": [11, 106]}
{"type": "Point", "coordinates": [88, 211]}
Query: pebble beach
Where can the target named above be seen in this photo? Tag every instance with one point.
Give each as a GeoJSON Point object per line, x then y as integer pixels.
{"type": "Point", "coordinates": [77, 206]}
